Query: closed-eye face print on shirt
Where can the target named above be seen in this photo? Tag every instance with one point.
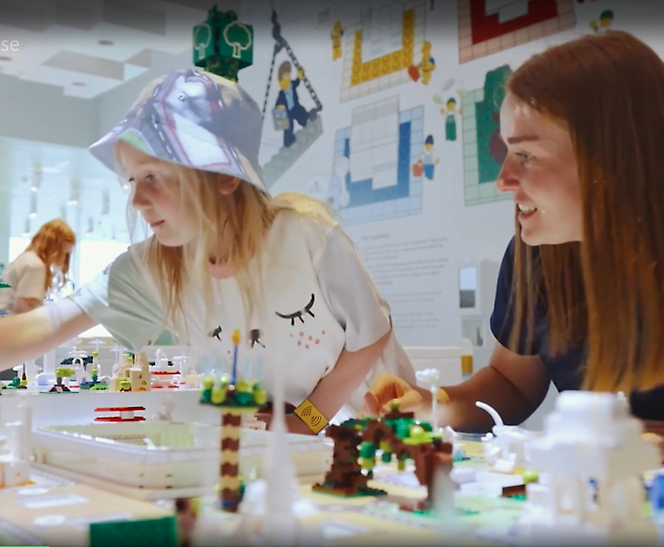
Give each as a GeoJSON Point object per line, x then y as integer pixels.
{"type": "Point", "coordinates": [292, 329]}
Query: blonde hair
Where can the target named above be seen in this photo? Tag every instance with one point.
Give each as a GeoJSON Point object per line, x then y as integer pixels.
{"type": "Point", "coordinates": [49, 244]}
{"type": "Point", "coordinates": [231, 228]}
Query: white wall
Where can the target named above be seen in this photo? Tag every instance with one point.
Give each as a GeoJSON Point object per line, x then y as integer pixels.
{"type": "Point", "coordinates": [40, 112]}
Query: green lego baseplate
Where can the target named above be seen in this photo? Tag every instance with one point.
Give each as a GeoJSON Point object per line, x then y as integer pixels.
{"type": "Point", "coordinates": [135, 533]}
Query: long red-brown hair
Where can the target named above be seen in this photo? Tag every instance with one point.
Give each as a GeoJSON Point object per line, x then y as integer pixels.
{"type": "Point", "coordinates": [51, 243]}
{"type": "Point", "coordinates": [609, 288]}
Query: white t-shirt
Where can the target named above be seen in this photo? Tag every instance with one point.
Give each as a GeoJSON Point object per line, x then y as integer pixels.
{"type": "Point", "coordinates": [317, 300]}
{"type": "Point", "coordinates": [26, 275]}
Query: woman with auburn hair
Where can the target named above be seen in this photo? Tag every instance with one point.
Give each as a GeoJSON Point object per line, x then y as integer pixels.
{"type": "Point", "coordinates": [580, 294]}
{"type": "Point", "coordinates": [31, 275]}
{"type": "Point", "coordinates": [226, 256]}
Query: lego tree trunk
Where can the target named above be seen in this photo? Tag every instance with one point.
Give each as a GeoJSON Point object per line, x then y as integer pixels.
{"type": "Point", "coordinates": [428, 459]}
{"type": "Point", "coordinates": [229, 485]}
{"type": "Point", "coordinates": [345, 475]}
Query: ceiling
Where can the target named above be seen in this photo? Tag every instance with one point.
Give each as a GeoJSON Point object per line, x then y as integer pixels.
{"type": "Point", "coordinates": [89, 47]}
{"type": "Point", "coordinates": [44, 181]}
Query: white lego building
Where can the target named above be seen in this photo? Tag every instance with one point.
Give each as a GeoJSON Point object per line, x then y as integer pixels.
{"type": "Point", "coordinates": [589, 437]}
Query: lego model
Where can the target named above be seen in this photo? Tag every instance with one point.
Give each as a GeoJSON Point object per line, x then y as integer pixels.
{"type": "Point", "coordinates": [592, 457]}
{"type": "Point", "coordinates": [125, 414]}
{"type": "Point", "coordinates": [94, 384]}
{"type": "Point", "coordinates": [271, 509]}
{"type": "Point", "coordinates": [235, 398]}
{"type": "Point", "coordinates": [504, 447]}
{"type": "Point", "coordinates": [78, 363]}
{"type": "Point", "coordinates": [131, 374]}
{"type": "Point", "coordinates": [430, 377]}
{"type": "Point", "coordinates": [163, 372]}
{"type": "Point", "coordinates": [15, 459]}
{"type": "Point", "coordinates": [60, 386]}
{"type": "Point", "coordinates": [396, 433]}
{"type": "Point", "coordinates": [223, 45]}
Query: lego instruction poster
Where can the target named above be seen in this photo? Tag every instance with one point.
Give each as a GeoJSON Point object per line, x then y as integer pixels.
{"type": "Point", "coordinates": [388, 112]}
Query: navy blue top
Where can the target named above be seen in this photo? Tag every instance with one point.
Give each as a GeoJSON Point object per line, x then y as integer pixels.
{"type": "Point", "coordinates": [565, 370]}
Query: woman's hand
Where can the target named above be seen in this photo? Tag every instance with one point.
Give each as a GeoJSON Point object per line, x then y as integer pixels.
{"type": "Point", "coordinates": [389, 389]}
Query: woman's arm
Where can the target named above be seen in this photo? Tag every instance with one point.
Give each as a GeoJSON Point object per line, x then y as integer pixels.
{"type": "Point", "coordinates": [29, 335]}
{"type": "Point", "coordinates": [24, 305]}
{"type": "Point", "coordinates": [515, 385]}
{"type": "Point", "coordinates": [334, 390]}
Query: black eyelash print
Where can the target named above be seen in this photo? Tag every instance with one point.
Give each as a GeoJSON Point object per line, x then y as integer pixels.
{"type": "Point", "coordinates": [299, 314]}
{"type": "Point", "coordinates": [216, 333]}
{"type": "Point", "coordinates": [255, 337]}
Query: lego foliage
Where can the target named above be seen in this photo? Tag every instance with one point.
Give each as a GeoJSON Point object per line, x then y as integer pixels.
{"type": "Point", "coordinates": [223, 393]}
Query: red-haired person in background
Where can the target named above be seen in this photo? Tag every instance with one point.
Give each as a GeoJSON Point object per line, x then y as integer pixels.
{"type": "Point", "coordinates": [31, 275]}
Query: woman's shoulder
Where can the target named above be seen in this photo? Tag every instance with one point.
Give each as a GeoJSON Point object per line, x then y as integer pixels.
{"type": "Point", "coordinates": [29, 260]}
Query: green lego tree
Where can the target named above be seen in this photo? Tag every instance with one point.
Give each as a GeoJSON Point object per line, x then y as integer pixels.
{"type": "Point", "coordinates": [63, 372]}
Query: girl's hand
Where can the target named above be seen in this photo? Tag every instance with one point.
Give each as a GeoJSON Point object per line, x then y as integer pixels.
{"type": "Point", "coordinates": [389, 389]}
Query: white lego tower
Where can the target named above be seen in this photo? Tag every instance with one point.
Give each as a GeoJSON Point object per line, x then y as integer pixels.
{"type": "Point", "coordinates": [589, 437]}
{"type": "Point", "coordinates": [15, 460]}
{"type": "Point", "coordinates": [271, 511]}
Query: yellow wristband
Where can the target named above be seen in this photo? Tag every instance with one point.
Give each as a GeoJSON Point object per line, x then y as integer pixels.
{"type": "Point", "coordinates": [311, 416]}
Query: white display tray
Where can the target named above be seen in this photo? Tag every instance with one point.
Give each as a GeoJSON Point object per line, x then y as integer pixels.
{"type": "Point", "coordinates": [162, 457]}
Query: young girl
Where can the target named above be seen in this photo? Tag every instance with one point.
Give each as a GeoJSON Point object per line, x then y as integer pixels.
{"type": "Point", "coordinates": [31, 275]}
{"type": "Point", "coordinates": [224, 255]}
{"type": "Point", "coordinates": [580, 294]}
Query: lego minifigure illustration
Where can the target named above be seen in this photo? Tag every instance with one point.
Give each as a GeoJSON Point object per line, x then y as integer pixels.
{"type": "Point", "coordinates": [430, 158]}
{"type": "Point", "coordinates": [336, 34]}
{"type": "Point", "coordinates": [450, 120]}
{"type": "Point", "coordinates": [428, 64]}
{"type": "Point", "coordinates": [288, 100]}
{"type": "Point", "coordinates": [605, 20]}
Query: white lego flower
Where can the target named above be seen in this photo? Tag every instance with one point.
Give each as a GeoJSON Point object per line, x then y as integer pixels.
{"type": "Point", "coordinates": [429, 376]}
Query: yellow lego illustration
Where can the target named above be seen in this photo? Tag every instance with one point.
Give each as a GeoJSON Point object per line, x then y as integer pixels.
{"type": "Point", "coordinates": [336, 34]}
{"type": "Point", "coordinates": [385, 48]}
{"type": "Point", "coordinates": [402, 59]}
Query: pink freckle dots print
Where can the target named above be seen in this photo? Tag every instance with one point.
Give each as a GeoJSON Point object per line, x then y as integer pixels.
{"type": "Point", "coordinates": [307, 340]}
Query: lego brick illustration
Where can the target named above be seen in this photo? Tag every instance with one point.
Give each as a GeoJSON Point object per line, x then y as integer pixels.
{"type": "Point", "coordinates": [489, 26]}
{"type": "Point", "coordinates": [372, 176]}
{"type": "Point", "coordinates": [483, 150]}
{"type": "Point", "coordinates": [384, 47]}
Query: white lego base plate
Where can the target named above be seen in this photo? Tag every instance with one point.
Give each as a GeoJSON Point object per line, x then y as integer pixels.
{"type": "Point", "coordinates": [153, 460]}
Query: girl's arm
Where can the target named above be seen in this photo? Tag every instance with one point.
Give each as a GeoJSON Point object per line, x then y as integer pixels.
{"type": "Point", "coordinates": [334, 390]}
{"type": "Point", "coordinates": [356, 303]}
{"type": "Point", "coordinates": [29, 335]}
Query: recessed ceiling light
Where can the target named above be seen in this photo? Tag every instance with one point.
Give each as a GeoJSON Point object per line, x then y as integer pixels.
{"type": "Point", "coordinates": [78, 84]}
{"type": "Point", "coordinates": [5, 58]}
{"type": "Point", "coordinates": [105, 42]}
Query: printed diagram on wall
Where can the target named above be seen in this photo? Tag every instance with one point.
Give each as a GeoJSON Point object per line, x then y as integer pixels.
{"type": "Point", "coordinates": [299, 127]}
{"type": "Point", "coordinates": [387, 47]}
{"type": "Point", "coordinates": [489, 26]}
{"type": "Point", "coordinates": [483, 149]}
{"type": "Point", "coordinates": [604, 24]}
{"type": "Point", "coordinates": [372, 176]}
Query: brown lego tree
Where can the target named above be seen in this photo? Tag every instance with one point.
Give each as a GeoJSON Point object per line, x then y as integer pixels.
{"type": "Point", "coordinates": [396, 434]}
